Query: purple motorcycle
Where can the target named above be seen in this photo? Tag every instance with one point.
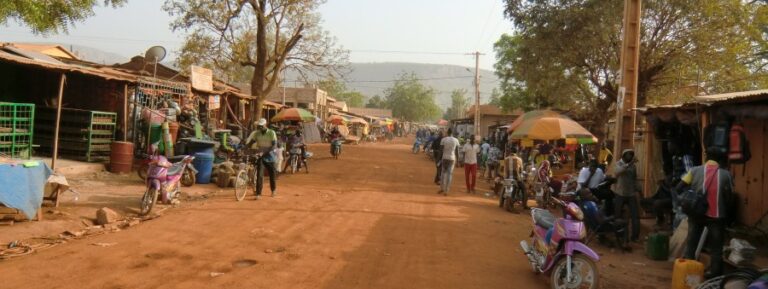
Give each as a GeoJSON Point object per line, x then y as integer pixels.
{"type": "Point", "coordinates": [163, 179]}
{"type": "Point", "coordinates": [557, 248]}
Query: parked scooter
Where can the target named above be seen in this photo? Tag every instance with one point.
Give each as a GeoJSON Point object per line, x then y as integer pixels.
{"type": "Point", "coordinates": [163, 181]}
{"type": "Point", "coordinates": [512, 194]}
{"type": "Point", "coordinates": [557, 248]}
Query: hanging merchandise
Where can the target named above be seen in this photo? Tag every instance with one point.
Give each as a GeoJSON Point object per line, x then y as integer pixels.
{"type": "Point", "coordinates": [167, 141]}
{"type": "Point", "coordinates": [716, 136]}
{"type": "Point", "coordinates": [738, 152]}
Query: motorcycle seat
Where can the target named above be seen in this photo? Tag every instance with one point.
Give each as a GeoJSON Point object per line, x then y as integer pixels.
{"type": "Point", "coordinates": [176, 159]}
{"type": "Point", "coordinates": [543, 218]}
{"type": "Point", "coordinates": [175, 169]}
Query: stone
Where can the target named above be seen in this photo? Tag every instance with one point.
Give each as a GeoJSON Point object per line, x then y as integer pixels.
{"type": "Point", "coordinates": [106, 215]}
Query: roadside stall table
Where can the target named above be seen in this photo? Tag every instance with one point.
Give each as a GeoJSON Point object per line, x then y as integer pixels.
{"type": "Point", "coordinates": [22, 186]}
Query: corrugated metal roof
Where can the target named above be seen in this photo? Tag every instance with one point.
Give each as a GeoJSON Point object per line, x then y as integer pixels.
{"type": "Point", "coordinates": [102, 72]}
{"type": "Point", "coordinates": [741, 95]}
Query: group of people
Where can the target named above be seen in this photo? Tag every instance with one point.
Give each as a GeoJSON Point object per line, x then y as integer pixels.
{"type": "Point", "coordinates": [504, 162]}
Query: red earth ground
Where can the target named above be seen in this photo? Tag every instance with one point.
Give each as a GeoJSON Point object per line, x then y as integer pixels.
{"type": "Point", "coordinates": [371, 219]}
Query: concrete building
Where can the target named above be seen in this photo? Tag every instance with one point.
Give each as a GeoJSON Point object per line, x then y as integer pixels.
{"type": "Point", "coordinates": [312, 99]}
{"type": "Point", "coordinates": [490, 116]}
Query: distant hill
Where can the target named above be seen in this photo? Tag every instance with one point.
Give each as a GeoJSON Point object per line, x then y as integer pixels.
{"type": "Point", "coordinates": [368, 78]}
{"type": "Point", "coordinates": [442, 77]}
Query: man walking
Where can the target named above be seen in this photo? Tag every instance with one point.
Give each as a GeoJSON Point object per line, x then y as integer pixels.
{"type": "Point", "coordinates": [717, 185]}
{"type": "Point", "coordinates": [437, 155]}
{"type": "Point", "coordinates": [471, 150]}
{"type": "Point", "coordinates": [450, 146]}
{"type": "Point", "coordinates": [626, 190]}
{"type": "Point", "coordinates": [263, 141]}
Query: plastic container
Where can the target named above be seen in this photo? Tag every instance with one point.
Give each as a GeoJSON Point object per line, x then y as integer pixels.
{"type": "Point", "coordinates": [657, 247]}
{"type": "Point", "coordinates": [687, 274]}
{"type": "Point", "coordinates": [200, 146]}
{"type": "Point", "coordinates": [121, 157]}
{"type": "Point", "coordinates": [203, 162]}
{"type": "Point", "coordinates": [173, 128]}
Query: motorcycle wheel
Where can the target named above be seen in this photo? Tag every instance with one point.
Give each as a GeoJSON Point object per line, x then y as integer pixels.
{"type": "Point", "coordinates": [509, 205]}
{"type": "Point", "coordinates": [241, 185]}
{"type": "Point", "coordinates": [188, 178]}
{"type": "Point", "coordinates": [294, 164]}
{"type": "Point", "coordinates": [306, 165]}
{"type": "Point", "coordinates": [148, 201]}
{"type": "Point", "coordinates": [143, 171]}
{"type": "Point", "coordinates": [584, 270]}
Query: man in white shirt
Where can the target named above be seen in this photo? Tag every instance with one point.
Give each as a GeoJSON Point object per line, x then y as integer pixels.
{"type": "Point", "coordinates": [471, 150]}
{"type": "Point", "coordinates": [450, 146]}
{"type": "Point", "coordinates": [590, 176]}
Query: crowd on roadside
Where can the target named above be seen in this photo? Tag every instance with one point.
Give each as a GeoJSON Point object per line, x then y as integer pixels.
{"type": "Point", "coordinates": [698, 193]}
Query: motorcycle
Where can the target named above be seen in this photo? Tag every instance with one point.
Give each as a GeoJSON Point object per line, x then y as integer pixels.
{"type": "Point", "coordinates": [511, 195]}
{"type": "Point", "coordinates": [558, 249]}
{"type": "Point", "coordinates": [187, 180]}
{"type": "Point", "coordinates": [336, 148]}
{"type": "Point", "coordinates": [163, 181]}
{"type": "Point", "coordinates": [416, 146]}
{"type": "Point", "coordinates": [294, 157]}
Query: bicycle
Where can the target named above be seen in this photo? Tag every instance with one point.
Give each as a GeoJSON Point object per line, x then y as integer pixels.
{"type": "Point", "coordinates": [246, 175]}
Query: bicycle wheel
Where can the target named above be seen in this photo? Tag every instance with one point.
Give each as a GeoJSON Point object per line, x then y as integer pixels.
{"type": "Point", "coordinates": [241, 184]}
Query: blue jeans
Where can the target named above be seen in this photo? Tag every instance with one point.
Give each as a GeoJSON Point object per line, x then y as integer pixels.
{"type": "Point", "coordinates": [447, 175]}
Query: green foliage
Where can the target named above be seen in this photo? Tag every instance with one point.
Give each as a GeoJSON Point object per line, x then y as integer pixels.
{"type": "Point", "coordinates": [376, 102]}
{"type": "Point", "coordinates": [566, 53]}
{"type": "Point", "coordinates": [339, 91]}
{"type": "Point", "coordinates": [51, 16]}
{"type": "Point", "coordinates": [411, 100]}
{"type": "Point", "coordinates": [459, 104]}
{"type": "Point", "coordinates": [256, 40]}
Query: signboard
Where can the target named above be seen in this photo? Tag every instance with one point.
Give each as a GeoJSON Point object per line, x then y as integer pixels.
{"type": "Point", "coordinates": [214, 102]}
{"type": "Point", "coordinates": [202, 78]}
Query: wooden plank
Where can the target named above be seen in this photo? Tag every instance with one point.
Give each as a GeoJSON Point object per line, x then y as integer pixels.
{"type": "Point", "coordinates": [754, 168]}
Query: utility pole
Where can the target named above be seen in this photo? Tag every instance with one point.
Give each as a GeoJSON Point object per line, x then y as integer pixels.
{"type": "Point", "coordinates": [477, 94]}
{"type": "Point", "coordinates": [629, 62]}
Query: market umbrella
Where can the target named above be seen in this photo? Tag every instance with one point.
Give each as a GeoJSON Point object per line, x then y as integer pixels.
{"type": "Point", "coordinates": [358, 120]}
{"type": "Point", "coordinates": [336, 119]}
{"type": "Point", "coordinates": [551, 128]}
{"type": "Point", "coordinates": [442, 122]}
{"type": "Point", "coordinates": [294, 114]}
{"type": "Point", "coordinates": [532, 115]}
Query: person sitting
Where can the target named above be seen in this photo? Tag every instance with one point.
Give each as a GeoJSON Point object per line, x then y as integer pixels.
{"type": "Point", "coordinates": [513, 169]}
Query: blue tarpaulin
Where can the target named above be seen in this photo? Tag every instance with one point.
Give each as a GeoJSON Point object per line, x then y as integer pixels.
{"type": "Point", "coordinates": [22, 187]}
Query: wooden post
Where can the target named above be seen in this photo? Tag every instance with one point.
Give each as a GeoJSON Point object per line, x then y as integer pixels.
{"type": "Point", "coordinates": [55, 154]}
{"type": "Point", "coordinates": [649, 140]}
{"type": "Point", "coordinates": [125, 112]}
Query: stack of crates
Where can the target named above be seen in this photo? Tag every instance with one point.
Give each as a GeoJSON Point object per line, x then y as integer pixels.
{"type": "Point", "coordinates": [83, 134]}
{"type": "Point", "coordinates": [16, 129]}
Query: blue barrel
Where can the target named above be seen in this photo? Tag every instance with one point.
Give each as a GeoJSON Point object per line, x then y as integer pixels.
{"type": "Point", "coordinates": [200, 146]}
{"type": "Point", "coordinates": [203, 162]}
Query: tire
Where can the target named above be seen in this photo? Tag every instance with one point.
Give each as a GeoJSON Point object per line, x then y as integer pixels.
{"type": "Point", "coordinates": [241, 185]}
{"type": "Point", "coordinates": [148, 201]}
{"type": "Point", "coordinates": [509, 205]}
{"type": "Point", "coordinates": [142, 172]}
{"type": "Point", "coordinates": [188, 178]}
{"type": "Point", "coordinates": [584, 269]}
{"type": "Point", "coordinates": [306, 166]}
{"type": "Point", "coordinates": [294, 164]}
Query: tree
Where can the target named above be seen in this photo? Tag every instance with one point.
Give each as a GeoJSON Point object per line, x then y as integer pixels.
{"type": "Point", "coordinates": [376, 102]}
{"type": "Point", "coordinates": [45, 17]}
{"type": "Point", "coordinates": [459, 104]}
{"type": "Point", "coordinates": [339, 91]}
{"type": "Point", "coordinates": [257, 38]}
{"type": "Point", "coordinates": [566, 53]}
{"type": "Point", "coordinates": [410, 100]}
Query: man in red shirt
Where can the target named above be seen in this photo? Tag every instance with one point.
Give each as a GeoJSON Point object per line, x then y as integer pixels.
{"type": "Point", "coordinates": [717, 184]}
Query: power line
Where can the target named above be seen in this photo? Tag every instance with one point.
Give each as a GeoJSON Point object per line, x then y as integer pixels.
{"type": "Point", "coordinates": [394, 80]}
{"type": "Point", "coordinates": [405, 52]}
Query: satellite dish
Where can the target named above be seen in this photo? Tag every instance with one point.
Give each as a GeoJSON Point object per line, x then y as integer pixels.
{"type": "Point", "coordinates": [155, 54]}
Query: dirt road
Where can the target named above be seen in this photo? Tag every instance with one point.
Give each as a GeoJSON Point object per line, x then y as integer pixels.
{"type": "Point", "coordinates": [369, 220]}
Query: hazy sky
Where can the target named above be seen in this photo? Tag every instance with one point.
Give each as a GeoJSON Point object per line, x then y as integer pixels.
{"type": "Point", "coordinates": [373, 30]}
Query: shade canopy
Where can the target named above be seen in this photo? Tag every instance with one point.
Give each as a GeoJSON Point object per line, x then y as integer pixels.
{"type": "Point", "coordinates": [294, 114]}
{"type": "Point", "coordinates": [532, 115]}
{"type": "Point", "coordinates": [336, 119]}
{"type": "Point", "coordinates": [551, 128]}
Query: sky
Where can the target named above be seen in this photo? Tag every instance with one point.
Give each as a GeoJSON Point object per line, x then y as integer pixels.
{"type": "Point", "coordinates": [423, 31]}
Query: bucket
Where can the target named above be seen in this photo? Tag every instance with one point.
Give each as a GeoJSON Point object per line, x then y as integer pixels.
{"type": "Point", "coordinates": [201, 146]}
{"type": "Point", "coordinates": [121, 157]}
{"type": "Point", "coordinates": [203, 162]}
{"type": "Point", "coordinates": [173, 128]}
